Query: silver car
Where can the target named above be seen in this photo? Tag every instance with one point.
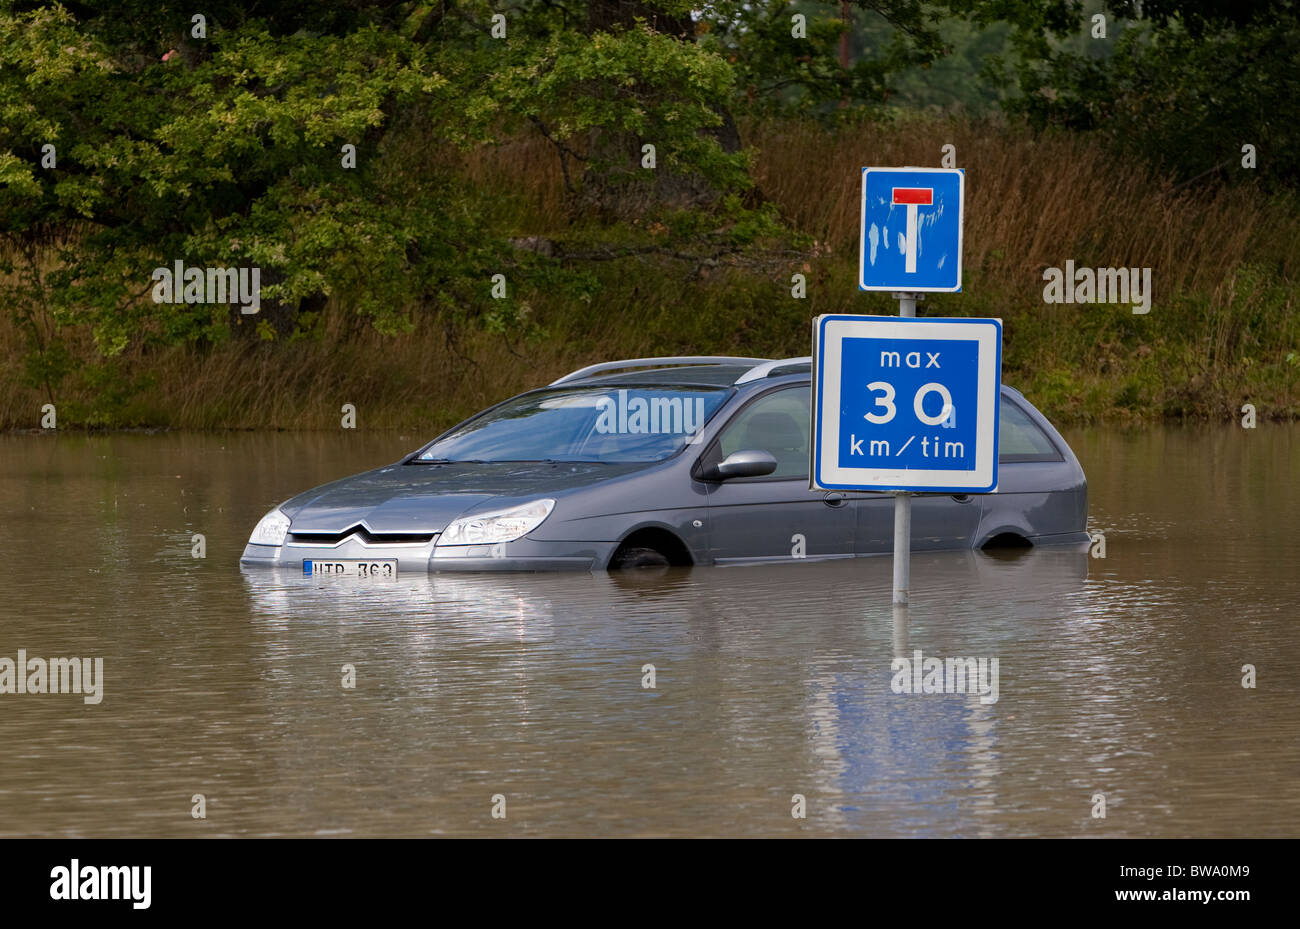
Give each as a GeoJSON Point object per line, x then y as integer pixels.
{"type": "Point", "coordinates": [653, 462]}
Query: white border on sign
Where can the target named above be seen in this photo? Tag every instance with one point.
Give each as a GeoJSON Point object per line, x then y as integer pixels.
{"type": "Point", "coordinates": [862, 232]}
{"type": "Point", "coordinates": [831, 333]}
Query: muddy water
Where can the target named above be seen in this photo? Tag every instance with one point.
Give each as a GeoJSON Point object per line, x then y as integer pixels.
{"type": "Point", "coordinates": [1119, 676]}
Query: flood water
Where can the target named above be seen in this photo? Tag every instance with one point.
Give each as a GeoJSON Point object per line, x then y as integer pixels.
{"type": "Point", "coordinates": [1120, 676]}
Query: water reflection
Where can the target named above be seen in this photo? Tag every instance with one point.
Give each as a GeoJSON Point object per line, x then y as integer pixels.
{"type": "Point", "coordinates": [1118, 675]}
{"type": "Point", "coordinates": [541, 648]}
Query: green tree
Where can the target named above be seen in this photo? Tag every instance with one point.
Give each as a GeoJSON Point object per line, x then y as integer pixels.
{"type": "Point", "coordinates": [221, 144]}
{"type": "Point", "coordinates": [1187, 85]}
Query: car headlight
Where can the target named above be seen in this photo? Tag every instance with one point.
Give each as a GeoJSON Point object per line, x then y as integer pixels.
{"type": "Point", "coordinates": [271, 529]}
{"type": "Point", "coordinates": [497, 526]}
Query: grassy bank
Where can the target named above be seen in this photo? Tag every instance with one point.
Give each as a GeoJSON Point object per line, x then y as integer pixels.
{"type": "Point", "coordinates": [1222, 329]}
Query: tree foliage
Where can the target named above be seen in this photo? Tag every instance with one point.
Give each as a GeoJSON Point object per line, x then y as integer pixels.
{"type": "Point", "coordinates": [131, 139]}
{"type": "Point", "coordinates": [1187, 85]}
{"type": "Point", "coordinates": [226, 148]}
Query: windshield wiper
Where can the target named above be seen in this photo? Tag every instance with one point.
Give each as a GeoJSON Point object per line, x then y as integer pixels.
{"type": "Point", "coordinates": [560, 461]}
{"type": "Point", "coordinates": [445, 461]}
{"type": "Point", "coordinates": [508, 461]}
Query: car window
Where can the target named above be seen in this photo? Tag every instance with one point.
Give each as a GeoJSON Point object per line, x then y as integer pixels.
{"type": "Point", "coordinates": [777, 423]}
{"type": "Point", "coordinates": [608, 424]}
{"type": "Point", "coordinates": [1019, 439]}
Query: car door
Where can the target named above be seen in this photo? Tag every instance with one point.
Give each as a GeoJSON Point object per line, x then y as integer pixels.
{"type": "Point", "coordinates": [774, 517]}
{"type": "Point", "coordinates": [951, 521]}
{"type": "Point", "coordinates": [938, 522]}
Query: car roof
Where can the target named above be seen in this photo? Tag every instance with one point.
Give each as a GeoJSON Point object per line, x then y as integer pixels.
{"type": "Point", "coordinates": [685, 370]}
{"type": "Point", "coordinates": [720, 375]}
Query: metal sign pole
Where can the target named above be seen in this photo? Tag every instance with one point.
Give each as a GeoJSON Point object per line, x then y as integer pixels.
{"type": "Point", "coordinates": [902, 547]}
{"type": "Point", "coordinates": [903, 503]}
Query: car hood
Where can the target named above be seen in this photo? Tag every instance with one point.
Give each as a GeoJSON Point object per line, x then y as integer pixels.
{"type": "Point", "coordinates": [424, 498]}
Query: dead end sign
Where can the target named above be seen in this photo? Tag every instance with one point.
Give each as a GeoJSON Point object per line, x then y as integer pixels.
{"type": "Point", "coordinates": [912, 229]}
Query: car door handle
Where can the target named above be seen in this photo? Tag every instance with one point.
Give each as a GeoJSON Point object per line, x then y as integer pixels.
{"type": "Point", "coordinates": [961, 498]}
{"type": "Point", "coordinates": [834, 499]}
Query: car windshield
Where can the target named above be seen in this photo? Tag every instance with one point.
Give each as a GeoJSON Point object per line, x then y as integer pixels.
{"type": "Point", "coordinates": [606, 424]}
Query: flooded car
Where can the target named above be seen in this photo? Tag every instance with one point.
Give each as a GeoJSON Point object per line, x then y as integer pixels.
{"type": "Point", "coordinates": [649, 463]}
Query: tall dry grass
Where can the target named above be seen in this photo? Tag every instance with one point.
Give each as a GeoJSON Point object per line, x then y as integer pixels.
{"type": "Point", "coordinates": [414, 381]}
{"type": "Point", "coordinates": [1222, 320]}
{"type": "Point", "coordinates": [1032, 201]}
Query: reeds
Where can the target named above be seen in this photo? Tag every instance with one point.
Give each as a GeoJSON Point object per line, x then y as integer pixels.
{"type": "Point", "coordinates": [1221, 326]}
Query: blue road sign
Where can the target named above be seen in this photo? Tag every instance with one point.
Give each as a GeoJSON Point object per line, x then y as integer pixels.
{"type": "Point", "coordinates": [906, 404]}
{"type": "Point", "coordinates": [911, 229]}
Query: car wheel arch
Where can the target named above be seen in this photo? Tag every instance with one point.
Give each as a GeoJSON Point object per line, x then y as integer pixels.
{"type": "Point", "coordinates": [662, 538]}
{"type": "Point", "coordinates": [1003, 534]}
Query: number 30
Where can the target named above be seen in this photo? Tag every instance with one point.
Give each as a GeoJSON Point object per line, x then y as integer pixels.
{"type": "Point", "coordinates": [887, 401]}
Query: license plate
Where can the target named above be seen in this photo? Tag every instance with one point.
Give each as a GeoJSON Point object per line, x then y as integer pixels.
{"type": "Point", "coordinates": [350, 567]}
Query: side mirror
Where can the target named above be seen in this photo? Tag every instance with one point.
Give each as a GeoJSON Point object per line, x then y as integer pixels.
{"type": "Point", "coordinates": [747, 463]}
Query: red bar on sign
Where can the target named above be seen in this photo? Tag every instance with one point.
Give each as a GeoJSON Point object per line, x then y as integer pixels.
{"type": "Point", "coordinates": [922, 195]}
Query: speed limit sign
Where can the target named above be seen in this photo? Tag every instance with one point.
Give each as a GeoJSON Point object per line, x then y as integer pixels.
{"type": "Point", "coordinates": [905, 404]}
